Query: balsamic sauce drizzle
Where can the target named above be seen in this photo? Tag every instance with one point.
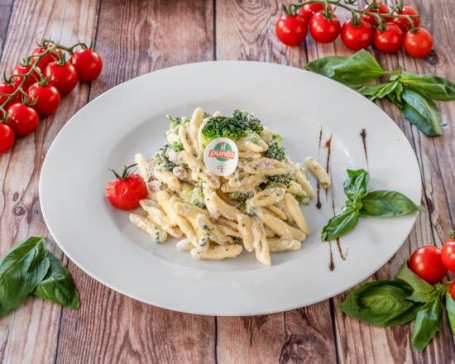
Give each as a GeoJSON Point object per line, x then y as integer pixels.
{"type": "Point", "coordinates": [363, 134]}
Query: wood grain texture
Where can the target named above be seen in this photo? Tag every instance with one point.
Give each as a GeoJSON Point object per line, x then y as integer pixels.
{"type": "Point", "coordinates": [30, 334]}
{"type": "Point", "coordinates": [110, 327]}
{"type": "Point", "coordinates": [136, 37]}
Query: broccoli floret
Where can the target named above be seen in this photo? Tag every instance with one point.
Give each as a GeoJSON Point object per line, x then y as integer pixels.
{"type": "Point", "coordinates": [303, 198]}
{"type": "Point", "coordinates": [233, 127]}
{"type": "Point", "coordinates": [240, 196]}
{"type": "Point", "coordinates": [206, 115]}
{"type": "Point", "coordinates": [161, 159]}
{"type": "Point", "coordinates": [176, 146]}
{"type": "Point", "coordinates": [194, 196]}
{"type": "Point", "coordinates": [276, 150]}
{"type": "Point", "coordinates": [284, 179]}
{"type": "Point", "coordinates": [252, 136]}
{"type": "Point", "coordinates": [176, 121]}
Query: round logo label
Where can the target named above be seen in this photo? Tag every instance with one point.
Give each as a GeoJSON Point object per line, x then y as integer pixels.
{"type": "Point", "coordinates": [221, 156]}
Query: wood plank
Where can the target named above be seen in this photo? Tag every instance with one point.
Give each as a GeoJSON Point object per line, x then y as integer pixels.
{"type": "Point", "coordinates": [110, 327]}
{"type": "Point", "coordinates": [245, 31]}
{"type": "Point", "coordinates": [30, 333]}
{"type": "Point", "coordinates": [360, 342]}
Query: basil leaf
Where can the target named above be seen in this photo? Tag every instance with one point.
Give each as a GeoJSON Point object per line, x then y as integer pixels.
{"type": "Point", "coordinates": [325, 66]}
{"type": "Point", "coordinates": [58, 285]}
{"type": "Point", "coordinates": [340, 224]}
{"type": "Point", "coordinates": [450, 307]}
{"type": "Point", "coordinates": [427, 324]}
{"type": "Point", "coordinates": [360, 68]}
{"type": "Point", "coordinates": [23, 267]}
{"type": "Point", "coordinates": [387, 204]}
{"type": "Point", "coordinates": [374, 92]}
{"type": "Point", "coordinates": [431, 87]}
{"type": "Point", "coordinates": [352, 71]}
{"type": "Point", "coordinates": [356, 186]}
{"type": "Point", "coordinates": [396, 96]}
{"type": "Point", "coordinates": [381, 303]}
{"type": "Point", "coordinates": [422, 290]}
{"type": "Point", "coordinates": [422, 112]}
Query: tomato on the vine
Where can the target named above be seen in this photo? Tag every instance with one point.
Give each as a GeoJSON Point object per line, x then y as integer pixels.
{"type": "Point", "coordinates": [357, 34]}
{"type": "Point", "coordinates": [88, 64]}
{"type": "Point", "coordinates": [426, 262]}
{"type": "Point", "coordinates": [389, 39]}
{"type": "Point", "coordinates": [23, 69]}
{"type": "Point", "coordinates": [22, 119]}
{"type": "Point", "coordinates": [375, 8]}
{"type": "Point", "coordinates": [62, 75]}
{"type": "Point", "coordinates": [448, 253]}
{"type": "Point", "coordinates": [308, 10]}
{"type": "Point", "coordinates": [324, 29]}
{"type": "Point", "coordinates": [418, 43]}
{"type": "Point", "coordinates": [8, 87]}
{"type": "Point", "coordinates": [404, 22]}
{"type": "Point", "coordinates": [6, 138]}
{"type": "Point", "coordinates": [452, 290]}
{"type": "Point", "coordinates": [291, 29]}
{"type": "Point", "coordinates": [44, 97]}
{"type": "Point", "coordinates": [125, 191]}
{"type": "Point", "coordinates": [53, 56]}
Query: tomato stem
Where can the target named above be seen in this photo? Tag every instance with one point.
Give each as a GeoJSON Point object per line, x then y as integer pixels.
{"type": "Point", "coordinates": [452, 233]}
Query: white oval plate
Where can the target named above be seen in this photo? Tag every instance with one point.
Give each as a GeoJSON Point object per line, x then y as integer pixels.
{"type": "Point", "coordinates": [130, 118]}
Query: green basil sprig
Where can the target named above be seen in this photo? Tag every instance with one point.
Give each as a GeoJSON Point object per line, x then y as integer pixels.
{"type": "Point", "coordinates": [30, 268]}
{"type": "Point", "coordinates": [401, 300]}
{"type": "Point", "coordinates": [361, 203]}
{"type": "Point", "coordinates": [412, 93]}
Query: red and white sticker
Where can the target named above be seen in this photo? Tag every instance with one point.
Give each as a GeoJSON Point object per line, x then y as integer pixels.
{"type": "Point", "coordinates": [221, 156]}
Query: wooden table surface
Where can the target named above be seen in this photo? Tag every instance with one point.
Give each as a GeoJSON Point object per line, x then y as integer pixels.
{"type": "Point", "coordinates": [136, 37]}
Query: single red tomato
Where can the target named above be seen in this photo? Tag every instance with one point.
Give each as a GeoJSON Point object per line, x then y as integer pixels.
{"type": "Point", "coordinates": [22, 119]}
{"type": "Point", "coordinates": [291, 29]}
{"type": "Point", "coordinates": [404, 22]}
{"type": "Point", "coordinates": [22, 69]}
{"type": "Point", "coordinates": [45, 98]}
{"type": "Point", "coordinates": [308, 10]}
{"type": "Point", "coordinates": [375, 8]}
{"type": "Point", "coordinates": [62, 76]}
{"type": "Point", "coordinates": [419, 43]}
{"type": "Point", "coordinates": [452, 290]}
{"type": "Point", "coordinates": [324, 29]}
{"type": "Point", "coordinates": [53, 56]}
{"type": "Point", "coordinates": [390, 39]}
{"type": "Point", "coordinates": [6, 138]}
{"type": "Point", "coordinates": [8, 87]}
{"type": "Point", "coordinates": [448, 253]}
{"type": "Point", "coordinates": [125, 191]}
{"type": "Point", "coordinates": [357, 35]}
{"type": "Point", "coordinates": [426, 262]}
{"type": "Point", "coordinates": [88, 64]}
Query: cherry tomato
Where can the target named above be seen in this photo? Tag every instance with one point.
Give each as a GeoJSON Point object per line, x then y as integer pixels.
{"type": "Point", "coordinates": [308, 10]}
{"type": "Point", "coordinates": [426, 262]}
{"type": "Point", "coordinates": [22, 119]}
{"type": "Point", "coordinates": [390, 39]}
{"type": "Point", "coordinates": [45, 98]}
{"type": "Point", "coordinates": [88, 64]}
{"type": "Point", "coordinates": [8, 88]}
{"type": "Point", "coordinates": [448, 254]}
{"type": "Point", "coordinates": [419, 43]}
{"type": "Point", "coordinates": [452, 290]}
{"type": "Point", "coordinates": [125, 192]}
{"type": "Point", "coordinates": [291, 29]}
{"type": "Point", "coordinates": [324, 29]}
{"type": "Point", "coordinates": [375, 8]}
{"type": "Point", "coordinates": [356, 37]}
{"type": "Point", "coordinates": [22, 69]}
{"type": "Point", "coordinates": [48, 58]}
{"type": "Point", "coordinates": [62, 76]}
{"type": "Point", "coordinates": [6, 138]}
{"type": "Point", "coordinates": [403, 22]}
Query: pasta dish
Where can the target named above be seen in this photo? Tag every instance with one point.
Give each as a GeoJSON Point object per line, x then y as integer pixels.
{"type": "Point", "coordinates": [255, 208]}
